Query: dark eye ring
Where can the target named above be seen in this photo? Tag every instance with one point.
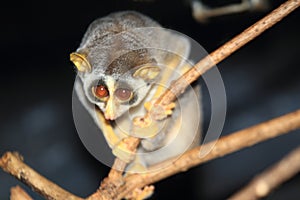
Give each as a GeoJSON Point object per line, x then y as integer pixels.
{"type": "Point", "coordinates": [124, 94]}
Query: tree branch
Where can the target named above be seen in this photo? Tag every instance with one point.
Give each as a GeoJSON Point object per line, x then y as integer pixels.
{"type": "Point", "coordinates": [226, 50]}
{"type": "Point", "coordinates": [178, 86]}
{"type": "Point", "coordinates": [264, 183]}
{"type": "Point", "coordinates": [13, 164]}
{"type": "Point", "coordinates": [225, 145]}
{"type": "Point", "coordinates": [17, 193]}
{"type": "Point", "coordinates": [119, 166]}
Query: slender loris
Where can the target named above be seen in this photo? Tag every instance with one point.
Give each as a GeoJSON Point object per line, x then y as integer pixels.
{"type": "Point", "coordinates": [124, 62]}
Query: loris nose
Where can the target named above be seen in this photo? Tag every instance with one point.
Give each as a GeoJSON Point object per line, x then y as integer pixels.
{"type": "Point", "coordinates": [108, 116]}
{"type": "Point", "coordinates": [109, 113]}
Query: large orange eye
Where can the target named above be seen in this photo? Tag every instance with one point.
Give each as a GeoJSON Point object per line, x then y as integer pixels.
{"type": "Point", "coordinates": [101, 91]}
{"type": "Point", "coordinates": [124, 94]}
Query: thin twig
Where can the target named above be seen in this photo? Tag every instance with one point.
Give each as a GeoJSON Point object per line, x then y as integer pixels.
{"type": "Point", "coordinates": [178, 86]}
{"type": "Point", "coordinates": [119, 166]}
{"type": "Point", "coordinates": [264, 183]}
{"type": "Point", "coordinates": [17, 193]}
{"type": "Point", "coordinates": [223, 146]}
{"type": "Point", "coordinates": [116, 172]}
{"type": "Point", "coordinates": [115, 177]}
{"type": "Point", "coordinates": [13, 164]}
{"type": "Point", "coordinates": [211, 60]}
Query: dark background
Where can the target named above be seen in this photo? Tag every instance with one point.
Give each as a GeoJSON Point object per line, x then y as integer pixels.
{"type": "Point", "coordinates": [261, 80]}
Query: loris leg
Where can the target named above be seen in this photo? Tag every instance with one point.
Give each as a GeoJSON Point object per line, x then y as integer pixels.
{"type": "Point", "coordinates": [113, 140]}
{"type": "Point", "coordinates": [139, 194]}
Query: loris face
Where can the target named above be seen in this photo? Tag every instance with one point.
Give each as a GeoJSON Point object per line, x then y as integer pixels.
{"type": "Point", "coordinates": [121, 85]}
{"type": "Point", "coordinates": [115, 95]}
{"type": "Point", "coordinates": [115, 64]}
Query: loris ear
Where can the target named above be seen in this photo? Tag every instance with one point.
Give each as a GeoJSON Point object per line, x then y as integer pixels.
{"type": "Point", "coordinates": [148, 72]}
{"type": "Point", "coordinates": [80, 62]}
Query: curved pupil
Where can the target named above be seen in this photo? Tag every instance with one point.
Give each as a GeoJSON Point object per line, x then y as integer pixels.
{"type": "Point", "coordinates": [123, 94]}
{"type": "Point", "coordinates": [101, 91]}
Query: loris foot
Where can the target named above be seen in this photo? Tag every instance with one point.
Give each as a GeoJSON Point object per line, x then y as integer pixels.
{"type": "Point", "coordinates": [140, 194]}
{"type": "Point", "coordinates": [159, 112]}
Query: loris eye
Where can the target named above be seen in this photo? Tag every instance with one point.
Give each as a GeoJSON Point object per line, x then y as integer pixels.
{"type": "Point", "coordinates": [124, 94]}
{"type": "Point", "coordinates": [101, 91]}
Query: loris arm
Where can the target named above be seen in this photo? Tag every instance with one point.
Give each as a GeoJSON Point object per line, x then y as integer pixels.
{"type": "Point", "coordinates": [175, 61]}
{"type": "Point", "coordinates": [112, 139]}
{"type": "Point", "coordinates": [179, 48]}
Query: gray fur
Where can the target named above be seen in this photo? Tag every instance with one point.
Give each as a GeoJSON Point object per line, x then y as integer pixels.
{"type": "Point", "coordinates": [115, 47]}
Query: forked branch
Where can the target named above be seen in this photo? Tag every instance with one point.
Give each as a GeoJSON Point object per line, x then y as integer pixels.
{"type": "Point", "coordinates": [223, 146]}
{"type": "Point", "coordinates": [211, 60]}
{"type": "Point", "coordinates": [14, 165]}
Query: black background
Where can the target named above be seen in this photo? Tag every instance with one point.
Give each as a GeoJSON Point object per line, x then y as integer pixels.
{"type": "Point", "coordinates": [261, 80]}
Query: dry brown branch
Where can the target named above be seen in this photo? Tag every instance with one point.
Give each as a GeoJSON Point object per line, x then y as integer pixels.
{"type": "Point", "coordinates": [223, 146]}
{"type": "Point", "coordinates": [224, 51]}
{"type": "Point", "coordinates": [119, 165]}
{"type": "Point", "coordinates": [111, 189]}
{"type": "Point", "coordinates": [115, 176]}
{"type": "Point", "coordinates": [218, 55]}
{"type": "Point", "coordinates": [17, 193]}
{"type": "Point", "coordinates": [13, 164]}
{"type": "Point", "coordinates": [207, 63]}
{"type": "Point", "coordinates": [264, 183]}
{"type": "Point", "coordinates": [116, 172]}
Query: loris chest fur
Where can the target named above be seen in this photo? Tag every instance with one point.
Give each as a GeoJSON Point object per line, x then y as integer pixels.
{"type": "Point", "coordinates": [125, 61]}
